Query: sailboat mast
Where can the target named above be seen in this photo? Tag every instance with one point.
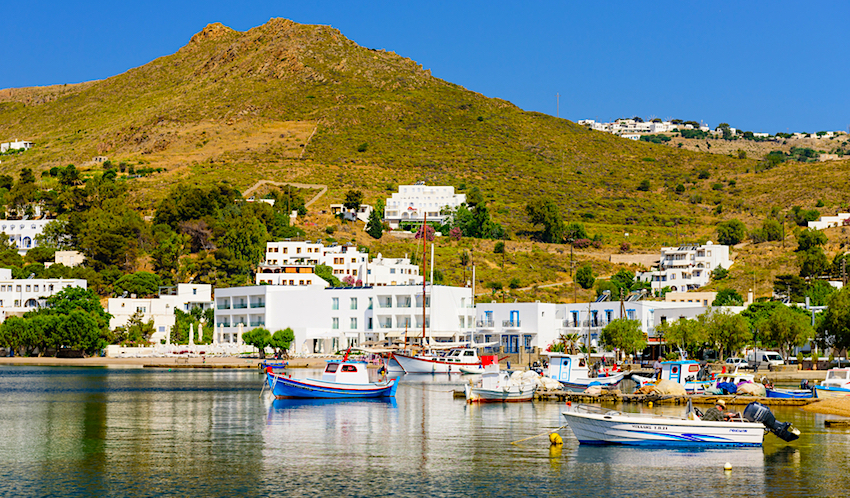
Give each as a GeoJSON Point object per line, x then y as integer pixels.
{"type": "Point", "coordinates": [424, 269]}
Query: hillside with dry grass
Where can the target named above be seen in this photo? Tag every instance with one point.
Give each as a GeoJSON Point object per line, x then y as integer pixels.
{"type": "Point", "coordinates": [287, 102]}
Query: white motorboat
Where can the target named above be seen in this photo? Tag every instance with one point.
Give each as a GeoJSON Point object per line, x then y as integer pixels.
{"type": "Point", "coordinates": [499, 386]}
{"type": "Point", "coordinates": [597, 425]}
{"type": "Point", "coordinates": [572, 372]}
{"type": "Point", "coordinates": [429, 363]}
{"type": "Point", "coordinates": [683, 372]}
{"type": "Point", "coordinates": [836, 384]}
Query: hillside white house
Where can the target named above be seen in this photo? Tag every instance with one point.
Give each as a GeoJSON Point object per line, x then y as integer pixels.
{"type": "Point", "coordinates": [686, 267]}
{"type": "Point", "coordinates": [411, 202]}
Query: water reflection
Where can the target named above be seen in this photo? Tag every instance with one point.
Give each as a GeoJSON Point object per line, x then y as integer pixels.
{"type": "Point", "coordinates": [113, 432]}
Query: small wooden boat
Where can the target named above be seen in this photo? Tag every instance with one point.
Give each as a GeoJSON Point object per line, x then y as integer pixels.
{"type": "Point", "coordinates": [341, 379]}
{"type": "Point", "coordinates": [836, 384]}
{"type": "Point", "coordinates": [496, 386]}
{"type": "Point", "coordinates": [276, 366]}
{"type": "Point", "coordinates": [789, 393]}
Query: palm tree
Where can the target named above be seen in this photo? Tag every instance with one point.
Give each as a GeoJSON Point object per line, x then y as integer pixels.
{"type": "Point", "coordinates": [569, 341]}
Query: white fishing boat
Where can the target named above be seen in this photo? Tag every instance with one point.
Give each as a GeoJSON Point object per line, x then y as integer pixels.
{"type": "Point", "coordinates": [683, 372]}
{"type": "Point", "coordinates": [572, 372]}
{"type": "Point", "coordinates": [431, 363]}
{"type": "Point", "coordinates": [600, 426]}
{"type": "Point", "coordinates": [499, 386]}
{"type": "Point", "coordinates": [836, 384]}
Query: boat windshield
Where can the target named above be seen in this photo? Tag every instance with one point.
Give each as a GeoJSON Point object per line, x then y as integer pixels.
{"type": "Point", "coordinates": [331, 368]}
{"type": "Point", "coordinates": [837, 374]}
{"type": "Point", "coordinates": [455, 353]}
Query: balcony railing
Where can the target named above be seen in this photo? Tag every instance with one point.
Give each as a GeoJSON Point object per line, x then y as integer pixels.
{"type": "Point", "coordinates": [223, 307]}
{"type": "Point", "coordinates": [258, 323]}
{"type": "Point", "coordinates": [240, 306]}
{"type": "Point", "coordinates": [404, 304]}
{"type": "Point", "coordinates": [384, 304]}
{"type": "Point", "coordinates": [511, 324]}
{"type": "Point", "coordinates": [485, 324]}
{"type": "Point", "coordinates": [386, 325]}
{"type": "Point", "coordinates": [570, 324]}
{"type": "Point", "coordinates": [258, 305]}
{"type": "Point", "coordinates": [223, 324]}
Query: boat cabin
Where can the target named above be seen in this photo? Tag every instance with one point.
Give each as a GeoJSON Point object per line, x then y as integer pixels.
{"type": "Point", "coordinates": [568, 367]}
{"type": "Point", "coordinates": [346, 372]}
{"type": "Point", "coordinates": [680, 371]}
{"type": "Point", "coordinates": [837, 377]}
{"type": "Point", "coordinates": [460, 356]}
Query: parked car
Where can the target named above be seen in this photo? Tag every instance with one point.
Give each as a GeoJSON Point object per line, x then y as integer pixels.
{"type": "Point", "coordinates": [735, 362]}
{"type": "Point", "coordinates": [766, 359]}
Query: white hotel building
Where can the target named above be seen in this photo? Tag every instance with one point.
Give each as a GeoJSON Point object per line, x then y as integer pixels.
{"type": "Point", "coordinates": [22, 233]}
{"type": "Point", "coordinates": [18, 296]}
{"type": "Point", "coordinates": [329, 319]}
{"type": "Point", "coordinates": [293, 263]}
{"type": "Point", "coordinates": [411, 202]}
{"type": "Point", "coordinates": [686, 267]}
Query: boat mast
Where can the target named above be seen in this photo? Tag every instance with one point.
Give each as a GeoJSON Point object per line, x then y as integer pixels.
{"type": "Point", "coordinates": [424, 269]}
{"type": "Point", "coordinates": [475, 314]}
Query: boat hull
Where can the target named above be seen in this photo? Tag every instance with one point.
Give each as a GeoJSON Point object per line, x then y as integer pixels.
{"type": "Point", "coordinates": [580, 384]}
{"type": "Point", "coordinates": [284, 387]}
{"type": "Point", "coordinates": [472, 370]}
{"type": "Point", "coordinates": [599, 429]}
{"type": "Point", "coordinates": [427, 364]}
{"type": "Point", "coordinates": [511, 395]}
{"type": "Point", "coordinates": [830, 392]}
{"type": "Point", "coordinates": [789, 393]}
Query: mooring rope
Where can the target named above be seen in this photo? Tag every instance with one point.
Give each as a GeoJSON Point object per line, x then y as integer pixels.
{"type": "Point", "coordinates": [539, 435]}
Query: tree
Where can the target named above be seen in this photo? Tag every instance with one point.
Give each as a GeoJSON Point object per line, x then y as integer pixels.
{"type": "Point", "coordinates": [514, 283]}
{"type": "Point", "coordinates": [494, 286]}
{"type": "Point", "coordinates": [725, 331]}
{"type": "Point", "coordinates": [731, 232]}
{"type": "Point", "coordinates": [430, 233]}
{"type": "Point", "coordinates": [786, 328]}
{"type": "Point", "coordinates": [326, 273]}
{"type": "Point", "coordinates": [643, 186]}
{"type": "Point", "coordinates": [719, 273]}
{"type": "Point", "coordinates": [135, 331]}
{"type": "Point", "coordinates": [499, 248]}
{"type": "Point", "coordinates": [141, 283]}
{"type": "Point", "coordinates": [375, 227]}
{"type": "Point", "coordinates": [569, 341]}
{"type": "Point", "coordinates": [813, 262]}
{"type": "Point", "coordinates": [575, 231]}
{"type": "Point", "coordinates": [545, 212]}
{"type": "Point", "coordinates": [353, 200]}
{"type": "Point", "coordinates": [282, 339]}
{"type": "Point", "coordinates": [834, 327]}
{"type": "Point", "coordinates": [259, 338]}
{"type": "Point", "coordinates": [686, 334]}
{"type": "Point", "coordinates": [772, 229]}
{"type": "Point", "coordinates": [728, 297]}
{"type": "Point", "coordinates": [585, 277]}
{"type": "Point", "coordinates": [110, 235]}
{"type": "Point", "coordinates": [810, 239]}
{"type": "Point", "coordinates": [27, 176]}
{"type": "Point", "coordinates": [624, 334]}
{"type": "Point", "coordinates": [246, 238]}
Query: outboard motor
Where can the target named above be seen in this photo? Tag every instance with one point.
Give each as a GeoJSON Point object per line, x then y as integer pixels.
{"type": "Point", "coordinates": [804, 384]}
{"type": "Point", "coordinates": [757, 412]}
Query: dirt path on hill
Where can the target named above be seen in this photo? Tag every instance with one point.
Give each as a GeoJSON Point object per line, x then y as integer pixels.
{"type": "Point", "coordinates": [321, 188]}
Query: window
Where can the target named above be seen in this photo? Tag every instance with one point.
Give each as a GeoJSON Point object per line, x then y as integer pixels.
{"type": "Point", "coordinates": [29, 288]}
{"type": "Point", "coordinates": [292, 282]}
{"type": "Point", "coordinates": [353, 323]}
{"type": "Point", "coordinates": [354, 303]}
{"type": "Point", "coordinates": [300, 282]}
{"type": "Point", "coordinates": [349, 368]}
{"type": "Point", "coordinates": [297, 250]}
{"type": "Point", "coordinates": [331, 368]}
{"type": "Point", "coordinates": [370, 304]}
{"type": "Point", "coordinates": [17, 288]}
{"type": "Point", "coordinates": [335, 303]}
{"type": "Point", "coordinates": [335, 323]}
{"type": "Point", "coordinates": [36, 288]}
{"type": "Point", "coordinates": [143, 309]}
{"type": "Point", "coordinates": [392, 270]}
{"type": "Point", "coordinates": [285, 250]}
{"type": "Point", "coordinates": [195, 291]}
{"type": "Point", "coordinates": [353, 260]}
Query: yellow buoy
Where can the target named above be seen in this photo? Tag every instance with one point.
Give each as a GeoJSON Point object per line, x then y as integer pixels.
{"type": "Point", "coordinates": [649, 404]}
{"type": "Point", "coordinates": [727, 467]}
{"type": "Point", "coordinates": [555, 439]}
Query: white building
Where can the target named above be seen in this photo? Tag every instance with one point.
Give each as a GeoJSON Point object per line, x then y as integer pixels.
{"type": "Point", "coordinates": [22, 233]}
{"type": "Point", "coordinates": [16, 145]}
{"type": "Point", "coordinates": [411, 202]}
{"type": "Point", "coordinates": [68, 258]}
{"type": "Point", "coordinates": [160, 309]}
{"type": "Point", "coordinates": [830, 221]}
{"type": "Point", "coordinates": [516, 326]}
{"type": "Point", "coordinates": [18, 296]}
{"type": "Point", "coordinates": [686, 267]}
{"type": "Point", "coordinates": [362, 213]}
{"type": "Point", "coordinates": [346, 262]}
{"type": "Point", "coordinates": [326, 320]}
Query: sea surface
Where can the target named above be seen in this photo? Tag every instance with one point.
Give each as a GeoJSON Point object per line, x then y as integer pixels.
{"type": "Point", "coordinates": [158, 432]}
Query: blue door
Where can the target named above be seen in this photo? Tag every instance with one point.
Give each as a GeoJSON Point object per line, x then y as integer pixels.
{"type": "Point", "coordinates": [675, 372]}
{"type": "Point", "coordinates": [564, 371]}
{"type": "Point", "coordinates": [515, 318]}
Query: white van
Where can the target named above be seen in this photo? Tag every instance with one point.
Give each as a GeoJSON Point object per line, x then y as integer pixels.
{"type": "Point", "coordinates": [766, 358]}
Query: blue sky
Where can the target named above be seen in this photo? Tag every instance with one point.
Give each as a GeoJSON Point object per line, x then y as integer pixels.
{"type": "Point", "coordinates": [758, 65]}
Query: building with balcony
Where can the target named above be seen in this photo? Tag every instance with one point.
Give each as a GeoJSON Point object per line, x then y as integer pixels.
{"type": "Point", "coordinates": [160, 309]}
{"type": "Point", "coordinates": [516, 326]}
{"type": "Point", "coordinates": [686, 267]}
{"type": "Point", "coordinates": [21, 233]}
{"type": "Point", "coordinates": [412, 202]}
{"type": "Point", "coordinates": [298, 274]}
{"type": "Point", "coordinates": [18, 296]}
{"type": "Point", "coordinates": [326, 320]}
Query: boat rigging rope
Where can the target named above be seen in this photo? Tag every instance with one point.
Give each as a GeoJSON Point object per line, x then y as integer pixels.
{"type": "Point", "coordinates": [539, 435]}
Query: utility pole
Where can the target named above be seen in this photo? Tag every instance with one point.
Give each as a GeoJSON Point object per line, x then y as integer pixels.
{"type": "Point", "coordinates": [844, 270]}
{"type": "Point", "coordinates": [558, 105]}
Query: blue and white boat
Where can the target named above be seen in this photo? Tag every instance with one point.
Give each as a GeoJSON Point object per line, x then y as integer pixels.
{"type": "Point", "coordinates": [600, 426]}
{"type": "Point", "coordinates": [341, 379]}
{"type": "Point", "coordinates": [571, 371]}
{"type": "Point", "coordinates": [789, 393]}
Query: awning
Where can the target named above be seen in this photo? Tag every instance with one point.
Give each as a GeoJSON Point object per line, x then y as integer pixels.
{"type": "Point", "coordinates": [413, 334]}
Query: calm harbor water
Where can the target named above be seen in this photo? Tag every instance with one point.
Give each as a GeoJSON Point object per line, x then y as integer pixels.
{"type": "Point", "coordinates": [149, 432]}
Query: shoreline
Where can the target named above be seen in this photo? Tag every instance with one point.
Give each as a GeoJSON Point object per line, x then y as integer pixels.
{"type": "Point", "coordinates": [154, 362]}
